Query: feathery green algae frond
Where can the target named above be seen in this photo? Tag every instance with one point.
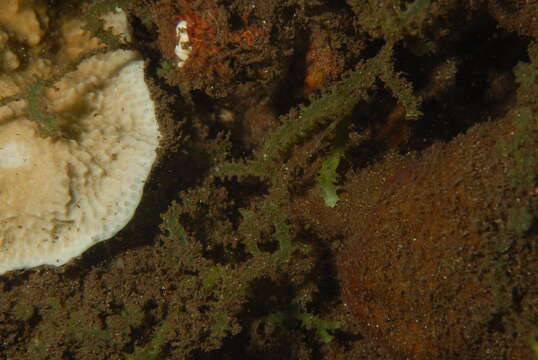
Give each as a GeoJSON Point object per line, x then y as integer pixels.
{"type": "Point", "coordinates": [328, 175]}
{"type": "Point", "coordinates": [322, 327]}
{"type": "Point", "coordinates": [332, 107]}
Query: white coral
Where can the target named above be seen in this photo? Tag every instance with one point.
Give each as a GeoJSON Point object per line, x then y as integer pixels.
{"type": "Point", "coordinates": [58, 197]}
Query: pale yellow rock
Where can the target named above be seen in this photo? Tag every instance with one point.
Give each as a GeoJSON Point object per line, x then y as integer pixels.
{"type": "Point", "coordinates": [76, 40]}
{"type": "Point", "coordinates": [3, 39]}
{"type": "Point", "coordinates": [26, 18]}
{"type": "Point", "coordinates": [10, 60]}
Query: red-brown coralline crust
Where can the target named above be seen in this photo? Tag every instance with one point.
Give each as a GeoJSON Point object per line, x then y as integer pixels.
{"type": "Point", "coordinates": [213, 43]}
{"type": "Point", "coordinates": [202, 34]}
{"type": "Point", "coordinates": [202, 25]}
{"type": "Point", "coordinates": [323, 64]}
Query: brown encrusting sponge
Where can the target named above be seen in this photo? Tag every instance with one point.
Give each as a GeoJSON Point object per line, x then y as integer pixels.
{"type": "Point", "coordinates": [420, 268]}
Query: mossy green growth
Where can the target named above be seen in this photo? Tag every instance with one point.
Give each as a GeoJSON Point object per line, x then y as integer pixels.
{"type": "Point", "coordinates": [164, 68]}
{"type": "Point", "coordinates": [331, 108]}
{"type": "Point", "coordinates": [534, 343]}
{"type": "Point", "coordinates": [527, 78]}
{"type": "Point", "coordinates": [213, 277]}
{"type": "Point", "coordinates": [213, 287]}
{"type": "Point", "coordinates": [389, 19]}
{"type": "Point", "coordinates": [188, 221]}
{"type": "Point", "coordinates": [520, 219]}
{"type": "Point", "coordinates": [323, 328]}
{"type": "Point", "coordinates": [37, 110]}
{"type": "Point", "coordinates": [132, 315]}
{"type": "Point", "coordinates": [38, 350]}
{"type": "Point", "coordinates": [23, 311]}
{"type": "Point", "coordinates": [78, 330]}
{"type": "Point", "coordinates": [51, 308]}
{"type": "Point", "coordinates": [171, 224]}
{"type": "Point", "coordinates": [267, 218]}
{"type": "Point", "coordinates": [394, 20]}
{"type": "Point", "coordinates": [521, 149]}
{"type": "Point", "coordinates": [533, 52]}
{"type": "Point", "coordinates": [526, 75]}
{"type": "Point", "coordinates": [152, 350]}
{"type": "Point", "coordinates": [93, 22]}
{"type": "Point", "coordinates": [141, 354]}
{"type": "Point", "coordinates": [221, 325]}
{"type": "Point", "coordinates": [521, 146]}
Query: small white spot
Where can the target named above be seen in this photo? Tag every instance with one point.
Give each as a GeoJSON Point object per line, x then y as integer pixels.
{"type": "Point", "coordinates": [183, 47]}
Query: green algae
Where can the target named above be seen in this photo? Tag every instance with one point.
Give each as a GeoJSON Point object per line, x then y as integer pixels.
{"type": "Point", "coordinates": [38, 350]}
{"type": "Point", "coordinates": [23, 311]}
{"type": "Point", "coordinates": [395, 20]}
{"type": "Point", "coordinates": [534, 343]}
{"type": "Point", "coordinates": [520, 219]}
{"type": "Point", "coordinates": [258, 221]}
{"type": "Point", "coordinates": [37, 111]}
{"type": "Point", "coordinates": [328, 177]}
{"type": "Point", "coordinates": [92, 18]}
{"type": "Point", "coordinates": [164, 68]}
{"type": "Point", "coordinates": [323, 328]}
{"type": "Point", "coordinates": [332, 107]}
{"type": "Point", "coordinates": [172, 226]}
{"type": "Point", "coordinates": [518, 148]}
{"type": "Point", "coordinates": [79, 331]}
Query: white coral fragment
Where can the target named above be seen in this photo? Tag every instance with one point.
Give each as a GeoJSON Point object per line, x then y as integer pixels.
{"type": "Point", "coordinates": [183, 48]}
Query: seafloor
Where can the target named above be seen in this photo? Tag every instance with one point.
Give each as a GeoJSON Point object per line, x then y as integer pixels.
{"type": "Point", "coordinates": [338, 180]}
